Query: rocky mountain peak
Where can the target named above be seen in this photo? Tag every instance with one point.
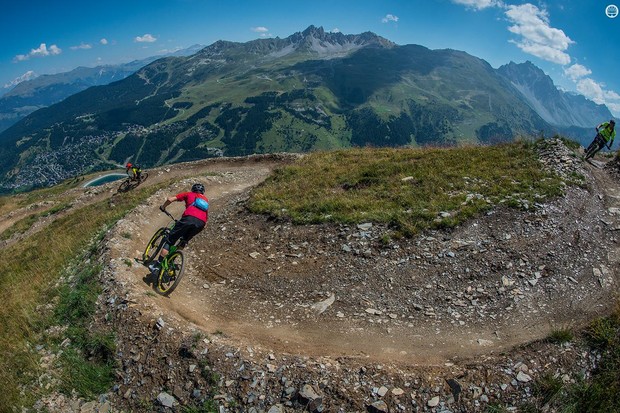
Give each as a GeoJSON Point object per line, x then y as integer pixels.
{"type": "Point", "coordinates": [314, 31]}
{"type": "Point", "coordinates": [317, 40]}
{"type": "Point", "coordinates": [528, 73]}
{"type": "Point", "coordinates": [554, 106]}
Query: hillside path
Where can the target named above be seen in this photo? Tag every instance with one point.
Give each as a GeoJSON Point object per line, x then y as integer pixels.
{"type": "Point", "coordinates": [499, 281]}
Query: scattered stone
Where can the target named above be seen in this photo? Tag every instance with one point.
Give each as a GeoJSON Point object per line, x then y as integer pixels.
{"type": "Point", "coordinates": [507, 282]}
{"type": "Point", "coordinates": [277, 408]}
{"type": "Point", "coordinates": [433, 402]}
{"type": "Point", "coordinates": [321, 306]}
{"type": "Point", "coordinates": [397, 391]}
{"type": "Point", "coordinates": [364, 227]}
{"type": "Point", "coordinates": [382, 391]}
{"type": "Point", "coordinates": [523, 377]}
{"type": "Point", "coordinates": [484, 343]}
{"type": "Point", "coordinates": [166, 400]}
{"type": "Point", "coordinates": [308, 393]}
{"type": "Point", "coordinates": [378, 407]}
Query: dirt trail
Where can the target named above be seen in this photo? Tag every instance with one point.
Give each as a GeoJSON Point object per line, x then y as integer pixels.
{"type": "Point", "coordinates": [423, 301]}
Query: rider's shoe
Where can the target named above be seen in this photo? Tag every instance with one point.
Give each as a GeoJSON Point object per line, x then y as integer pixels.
{"type": "Point", "coordinates": [154, 268]}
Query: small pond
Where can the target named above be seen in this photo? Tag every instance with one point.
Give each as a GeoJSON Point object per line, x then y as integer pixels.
{"type": "Point", "coordinates": [105, 179]}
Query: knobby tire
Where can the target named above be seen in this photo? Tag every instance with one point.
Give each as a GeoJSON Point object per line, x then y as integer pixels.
{"type": "Point", "coordinates": [592, 150]}
{"type": "Point", "coordinates": [125, 186]}
{"type": "Point", "coordinates": [168, 279]}
{"type": "Point", "coordinates": [154, 246]}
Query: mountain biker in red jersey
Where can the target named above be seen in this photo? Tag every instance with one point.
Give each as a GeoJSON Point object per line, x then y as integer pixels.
{"type": "Point", "coordinates": [193, 220]}
{"type": "Point", "coordinates": [605, 134]}
{"type": "Point", "coordinates": [135, 171]}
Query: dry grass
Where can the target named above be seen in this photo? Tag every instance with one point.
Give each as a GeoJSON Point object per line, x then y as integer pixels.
{"type": "Point", "coordinates": [406, 188]}
{"type": "Point", "coordinates": [30, 267]}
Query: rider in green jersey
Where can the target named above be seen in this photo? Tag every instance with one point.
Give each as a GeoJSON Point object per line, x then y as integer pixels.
{"type": "Point", "coordinates": [605, 134]}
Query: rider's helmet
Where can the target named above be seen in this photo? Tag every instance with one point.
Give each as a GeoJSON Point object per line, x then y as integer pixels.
{"type": "Point", "coordinates": [129, 165]}
{"type": "Point", "coordinates": [612, 122]}
{"type": "Point", "coordinates": [200, 188]}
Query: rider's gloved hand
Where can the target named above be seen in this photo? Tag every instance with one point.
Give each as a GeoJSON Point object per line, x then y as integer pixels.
{"type": "Point", "coordinates": [162, 208]}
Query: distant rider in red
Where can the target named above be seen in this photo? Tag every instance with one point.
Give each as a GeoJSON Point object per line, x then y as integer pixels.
{"type": "Point", "coordinates": [133, 171]}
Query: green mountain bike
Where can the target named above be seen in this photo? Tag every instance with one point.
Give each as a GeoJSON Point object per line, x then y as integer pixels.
{"type": "Point", "coordinates": [171, 268]}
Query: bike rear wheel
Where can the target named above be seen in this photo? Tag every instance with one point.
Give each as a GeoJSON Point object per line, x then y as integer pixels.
{"type": "Point", "coordinates": [143, 176]}
{"type": "Point", "coordinates": [154, 246]}
{"type": "Point", "coordinates": [170, 277]}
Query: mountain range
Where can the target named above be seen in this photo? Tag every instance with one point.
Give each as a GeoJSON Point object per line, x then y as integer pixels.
{"type": "Point", "coordinates": [38, 92]}
{"type": "Point", "coordinates": [313, 90]}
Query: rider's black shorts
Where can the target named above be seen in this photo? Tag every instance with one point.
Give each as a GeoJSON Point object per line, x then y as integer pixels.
{"type": "Point", "coordinates": [187, 227]}
{"type": "Point", "coordinates": [600, 141]}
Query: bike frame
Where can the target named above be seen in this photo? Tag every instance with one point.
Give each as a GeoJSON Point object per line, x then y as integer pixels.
{"type": "Point", "coordinates": [175, 247]}
{"type": "Point", "coordinates": [164, 263]}
{"type": "Point", "coordinates": [171, 266]}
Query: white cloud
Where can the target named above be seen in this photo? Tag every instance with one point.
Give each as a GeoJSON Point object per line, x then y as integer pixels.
{"type": "Point", "coordinates": [538, 37]}
{"type": "Point", "coordinates": [335, 30]}
{"type": "Point", "coordinates": [389, 18]}
{"type": "Point", "coordinates": [103, 41]}
{"type": "Point", "coordinates": [147, 38]}
{"type": "Point", "coordinates": [478, 4]}
{"type": "Point", "coordinates": [577, 71]}
{"type": "Point", "coordinates": [544, 52]}
{"type": "Point", "coordinates": [264, 32]}
{"type": "Point", "coordinates": [611, 95]}
{"type": "Point", "coordinates": [590, 89]}
{"type": "Point", "coordinates": [596, 92]}
{"type": "Point", "coordinates": [83, 46]}
{"type": "Point", "coordinates": [169, 51]}
{"type": "Point", "coordinates": [41, 51]}
{"type": "Point", "coordinates": [29, 75]}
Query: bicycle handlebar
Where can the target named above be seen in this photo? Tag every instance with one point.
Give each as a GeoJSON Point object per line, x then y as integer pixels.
{"type": "Point", "coordinates": [168, 213]}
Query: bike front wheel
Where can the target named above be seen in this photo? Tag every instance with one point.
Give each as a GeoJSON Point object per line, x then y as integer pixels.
{"type": "Point", "coordinates": [125, 186]}
{"type": "Point", "coordinates": [154, 246]}
{"type": "Point", "coordinates": [170, 277]}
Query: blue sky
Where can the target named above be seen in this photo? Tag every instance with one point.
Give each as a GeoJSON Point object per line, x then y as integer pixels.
{"type": "Point", "coordinates": [573, 41]}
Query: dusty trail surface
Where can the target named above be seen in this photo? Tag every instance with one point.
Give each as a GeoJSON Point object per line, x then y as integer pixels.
{"type": "Point", "coordinates": [273, 308]}
{"type": "Point", "coordinates": [501, 280]}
